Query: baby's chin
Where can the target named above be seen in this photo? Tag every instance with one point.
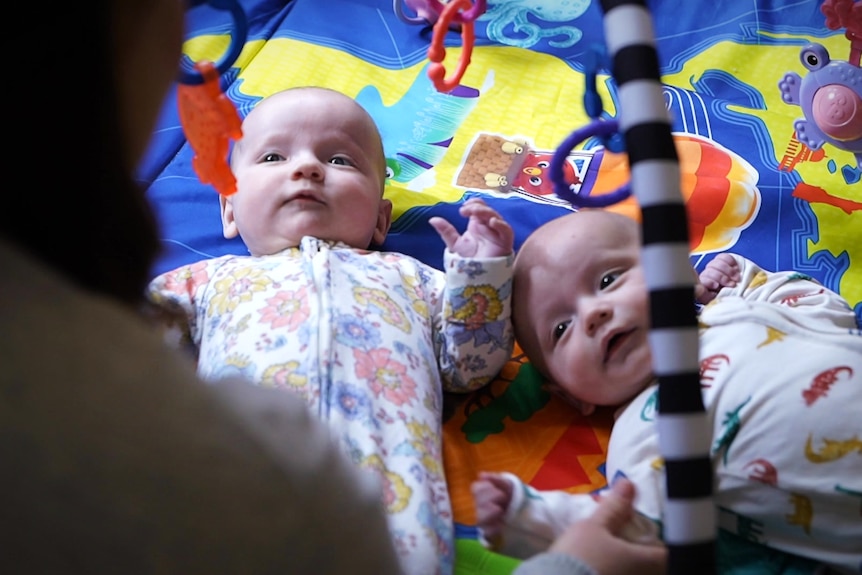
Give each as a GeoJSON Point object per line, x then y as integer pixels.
{"type": "Point", "coordinates": [625, 385]}
{"type": "Point", "coordinates": [272, 247]}
{"type": "Point", "coordinates": [638, 364]}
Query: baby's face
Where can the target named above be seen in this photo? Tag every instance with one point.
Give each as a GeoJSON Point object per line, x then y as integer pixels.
{"type": "Point", "coordinates": [309, 163]}
{"type": "Point", "coordinates": [580, 307]}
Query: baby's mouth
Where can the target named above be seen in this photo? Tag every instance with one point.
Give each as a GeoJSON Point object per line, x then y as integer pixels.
{"type": "Point", "coordinates": [616, 342]}
{"type": "Point", "coordinates": [304, 196]}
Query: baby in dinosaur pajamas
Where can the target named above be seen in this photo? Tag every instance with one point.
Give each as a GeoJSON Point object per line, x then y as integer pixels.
{"type": "Point", "coordinates": [781, 379]}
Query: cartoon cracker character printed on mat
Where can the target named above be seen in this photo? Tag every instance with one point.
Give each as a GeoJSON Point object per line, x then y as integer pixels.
{"type": "Point", "coordinates": [719, 186]}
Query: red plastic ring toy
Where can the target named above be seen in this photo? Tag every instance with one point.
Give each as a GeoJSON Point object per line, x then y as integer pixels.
{"type": "Point", "coordinates": [437, 53]}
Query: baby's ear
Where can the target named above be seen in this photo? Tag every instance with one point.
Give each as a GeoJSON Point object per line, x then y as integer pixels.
{"type": "Point", "coordinates": [228, 222]}
{"type": "Point", "coordinates": [384, 220]}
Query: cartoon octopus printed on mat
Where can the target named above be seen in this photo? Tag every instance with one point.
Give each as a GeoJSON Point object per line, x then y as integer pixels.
{"type": "Point", "coordinates": [521, 15]}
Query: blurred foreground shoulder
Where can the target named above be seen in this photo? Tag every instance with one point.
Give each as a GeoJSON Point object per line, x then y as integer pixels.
{"type": "Point", "coordinates": [125, 461]}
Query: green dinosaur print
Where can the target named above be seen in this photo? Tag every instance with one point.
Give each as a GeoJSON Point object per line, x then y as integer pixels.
{"type": "Point", "coordinates": [800, 276]}
{"type": "Point", "coordinates": [650, 408]}
{"type": "Point", "coordinates": [731, 424]}
{"type": "Point", "coordinates": [848, 491]}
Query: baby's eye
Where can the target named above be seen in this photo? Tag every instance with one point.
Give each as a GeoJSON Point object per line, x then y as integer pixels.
{"type": "Point", "coordinates": [340, 161]}
{"type": "Point", "coordinates": [608, 279]}
{"type": "Point", "coordinates": [273, 157]}
{"type": "Point", "coordinates": [560, 329]}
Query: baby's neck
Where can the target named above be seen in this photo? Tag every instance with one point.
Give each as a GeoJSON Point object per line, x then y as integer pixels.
{"type": "Point", "coordinates": [651, 382]}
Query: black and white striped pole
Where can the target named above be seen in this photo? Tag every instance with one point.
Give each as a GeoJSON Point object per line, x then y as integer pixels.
{"type": "Point", "coordinates": [689, 524]}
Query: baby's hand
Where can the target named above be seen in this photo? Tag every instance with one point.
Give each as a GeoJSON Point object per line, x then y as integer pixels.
{"type": "Point", "coordinates": [492, 494]}
{"type": "Point", "coordinates": [487, 235]}
{"type": "Point", "coordinates": [721, 272]}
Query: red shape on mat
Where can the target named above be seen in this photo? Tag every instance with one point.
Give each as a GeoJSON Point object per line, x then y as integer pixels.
{"type": "Point", "coordinates": [562, 466]}
{"type": "Point", "coordinates": [814, 194]}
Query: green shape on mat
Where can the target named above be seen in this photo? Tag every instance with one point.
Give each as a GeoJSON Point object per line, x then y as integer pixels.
{"type": "Point", "coordinates": [472, 558]}
{"type": "Point", "coordinates": [523, 397]}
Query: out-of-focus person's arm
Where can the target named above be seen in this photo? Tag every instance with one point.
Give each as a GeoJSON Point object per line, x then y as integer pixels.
{"type": "Point", "coordinates": [596, 546]}
{"type": "Point", "coordinates": [119, 459]}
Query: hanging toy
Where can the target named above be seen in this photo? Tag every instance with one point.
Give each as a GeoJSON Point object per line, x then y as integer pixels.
{"type": "Point", "coordinates": [466, 12]}
{"type": "Point", "coordinates": [607, 131]}
{"type": "Point", "coordinates": [830, 94]}
{"type": "Point", "coordinates": [429, 11]}
{"type": "Point", "coordinates": [208, 116]}
{"type": "Point", "coordinates": [846, 14]}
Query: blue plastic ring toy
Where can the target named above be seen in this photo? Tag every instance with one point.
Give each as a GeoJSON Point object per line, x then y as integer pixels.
{"type": "Point", "coordinates": [596, 128]}
{"type": "Point", "coordinates": [238, 38]}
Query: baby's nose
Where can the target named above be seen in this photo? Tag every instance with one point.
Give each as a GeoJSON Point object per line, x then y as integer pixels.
{"type": "Point", "coordinates": [308, 167]}
{"type": "Point", "coordinates": [595, 318]}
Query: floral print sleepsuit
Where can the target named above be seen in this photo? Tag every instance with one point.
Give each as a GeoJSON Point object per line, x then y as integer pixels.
{"type": "Point", "coordinates": [370, 340]}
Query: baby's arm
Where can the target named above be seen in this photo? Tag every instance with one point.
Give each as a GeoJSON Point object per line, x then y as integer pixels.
{"type": "Point", "coordinates": [487, 235]}
{"type": "Point", "coordinates": [790, 289]}
{"type": "Point", "coordinates": [520, 521]}
{"type": "Point", "coordinates": [473, 327]}
{"type": "Point", "coordinates": [516, 520]}
{"type": "Point", "coordinates": [722, 271]}
{"type": "Point", "coordinates": [173, 303]}
{"type": "Point", "coordinates": [171, 321]}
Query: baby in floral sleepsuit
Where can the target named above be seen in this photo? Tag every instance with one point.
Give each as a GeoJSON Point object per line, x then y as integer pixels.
{"type": "Point", "coordinates": [369, 339]}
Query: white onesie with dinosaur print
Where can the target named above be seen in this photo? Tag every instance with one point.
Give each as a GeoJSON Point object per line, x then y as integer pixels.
{"type": "Point", "coordinates": [781, 378]}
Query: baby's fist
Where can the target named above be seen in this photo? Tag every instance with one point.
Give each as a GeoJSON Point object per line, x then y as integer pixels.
{"type": "Point", "coordinates": [721, 272]}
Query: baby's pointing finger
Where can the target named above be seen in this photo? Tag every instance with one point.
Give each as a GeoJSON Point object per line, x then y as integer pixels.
{"type": "Point", "coordinates": [446, 230]}
{"type": "Point", "coordinates": [478, 209]}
